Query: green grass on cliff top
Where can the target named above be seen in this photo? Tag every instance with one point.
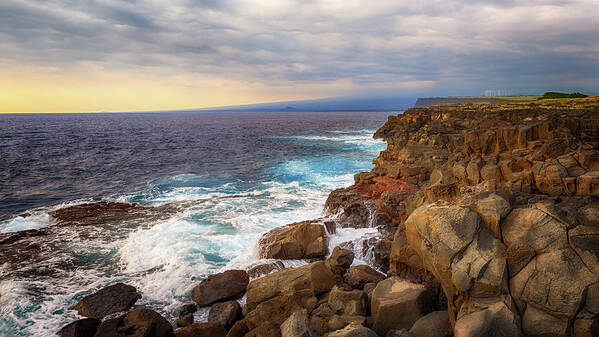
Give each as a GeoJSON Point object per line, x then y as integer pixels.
{"type": "Point", "coordinates": [520, 102]}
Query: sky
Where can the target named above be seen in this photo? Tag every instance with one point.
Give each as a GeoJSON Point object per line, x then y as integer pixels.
{"type": "Point", "coordinates": [133, 55]}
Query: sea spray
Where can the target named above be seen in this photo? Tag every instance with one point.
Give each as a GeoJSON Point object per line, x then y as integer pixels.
{"type": "Point", "coordinates": [213, 224]}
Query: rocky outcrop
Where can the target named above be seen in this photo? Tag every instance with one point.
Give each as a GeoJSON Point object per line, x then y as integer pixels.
{"type": "Point", "coordinates": [97, 213]}
{"type": "Point", "coordinates": [112, 299]}
{"type": "Point", "coordinates": [230, 284]}
{"type": "Point", "coordinates": [488, 222]}
{"type": "Point", "coordinates": [500, 216]}
{"type": "Point", "coordinates": [301, 240]}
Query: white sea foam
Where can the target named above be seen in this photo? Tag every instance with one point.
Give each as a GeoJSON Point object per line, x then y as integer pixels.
{"type": "Point", "coordinates": [35, 221]}
{"type": "Point", "coordinates": [216, 228]}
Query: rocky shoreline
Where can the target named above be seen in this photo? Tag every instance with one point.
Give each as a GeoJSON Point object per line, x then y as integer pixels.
{"type": "Point", "coordinates": [488, 222]}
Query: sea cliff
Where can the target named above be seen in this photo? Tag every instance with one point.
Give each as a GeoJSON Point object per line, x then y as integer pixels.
{"type": "Point", "coordinates": [487, 217]}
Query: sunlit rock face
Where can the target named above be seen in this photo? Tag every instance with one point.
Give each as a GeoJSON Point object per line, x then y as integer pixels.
{"type": "Point", "coordinates": [494, 209]}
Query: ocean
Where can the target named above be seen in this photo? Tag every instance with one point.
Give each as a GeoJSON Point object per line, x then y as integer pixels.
{"type": "Point", "coordinates": [223, 179]}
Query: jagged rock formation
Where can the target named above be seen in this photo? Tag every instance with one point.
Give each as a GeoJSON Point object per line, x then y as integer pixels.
{"type": "Point", "coordinates": [496, 205]}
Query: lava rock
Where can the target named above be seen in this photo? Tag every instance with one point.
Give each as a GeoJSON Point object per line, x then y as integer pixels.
{"type": "Point", "coordinates": [112, 299]}
{"type": "Point", "coordinates": [81, 328]}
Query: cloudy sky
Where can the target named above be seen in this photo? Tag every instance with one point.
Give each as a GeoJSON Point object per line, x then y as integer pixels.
{"type": "Point", "coordinates": [109, 55]}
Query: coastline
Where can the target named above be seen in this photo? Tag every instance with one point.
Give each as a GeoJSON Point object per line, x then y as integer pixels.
{"type": "Point", "coordinates": [460, 240]}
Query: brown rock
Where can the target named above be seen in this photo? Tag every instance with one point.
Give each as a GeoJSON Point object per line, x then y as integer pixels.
{"type": "Point", "coordinates": [267, 329]}
{"type": "Point", "coordinates": [353, 330]}
{"type": "Point", "coordinates": [137, 323]}
{"type": "Point", "coordinates": [434, 324]}
{"type": "Point", "coordinates": [492, 209]}
{"type": "Point", "coordinates": [230, 284]}
{"type": "Point", "coordinates": [358, 276]}
{"type": "Point", "coordinates": [80, 328]}
{"type": "Point", "coordinates": [398, 304]}
{"type": "Point", "coordinates": [315, 277]}
{"type": "Point", "coordinates": [320, 318]}
{"type": "Point", "coordinates": [537, 323]}
{"type": "Point", "coordinates": [494, 321]}
{"type": "Point", "coordinates": [352, 302]}
{"type": "Point", "coordinates": [337, 322]}
{"type": "Point", "coordinates": [265, 269]}
{"type": "Point", "coordinates": [301, 240]}
{"type": "Point", "coordinates": [211, 329]}
{"type": "Point", "coordinates": [278, 309]}
{"type": "Point", "coordinates": [239, 329]}
{"type": "Point", "coordinates": [112, 299]}
{"type": "Point", "coordinates": [185, 320]}
{"type": "Point", "coordinates": [298, 325]}
{"type": "Point", "coordinates": [340, 260]}
{"type": "Point", "coordinates": [97, 213]}
{"type": "Point", "coordinates": [225, 313]}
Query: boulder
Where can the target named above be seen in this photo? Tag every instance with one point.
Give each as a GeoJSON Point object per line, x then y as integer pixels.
{"type": "Point", "coordinates": [315, 277]}
{"type": "Point", "coordinates": [340, 260]}
{"type": "Point", "coordinates": [267, 329]}
{"type": "Point", "coordinates": [279, 308]}
{"type": "Point", "coordinates": [185, 320]}
{"type": "Point", "coordinates": [239, 329]}
{"type": "Point", "coordinates": [116, 298]}
{"type": "Point", "coordinates": [354, 302]}
{"type": "Point", "coordinates": [265, 269]}
{"type": "Point", "coordinates": [225, 313]}
{"type": "Point", "coordinates": [320, 318]}
{"type": "Point", "coordinates": [495, 321]}
{"type": "Point", "coordinates": [137, 323]}
{"type": "Point", "coordinates": [301, 240]}
{"type": "Point", "coordinates": [358, 276]}
{"type": "Point", "coordinates": [434, 324]}
{"type": "Point", "coordinates": [188, 308]}
{"type": "Point", "coordinates": [210, 329]}
{"type": "Point", "coordinates": [230, 284]}
{"type": "Point", "coordinates": [353, 330]}
{"type": "Point", "coordinates": [80, 328]}
{"type": "Point", "coordinates": [338, 322]}
{"type": "Point", "coordinates": [398, 304]}
{"type": "Point", "coordinates": [298, 325]}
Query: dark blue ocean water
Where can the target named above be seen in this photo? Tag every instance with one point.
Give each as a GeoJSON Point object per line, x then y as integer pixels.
{"type": "Point", "coordinates": [236, 176]}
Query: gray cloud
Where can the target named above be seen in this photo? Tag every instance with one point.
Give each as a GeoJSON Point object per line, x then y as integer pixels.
{"type": "Point", "coordinates": [460, 45]}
